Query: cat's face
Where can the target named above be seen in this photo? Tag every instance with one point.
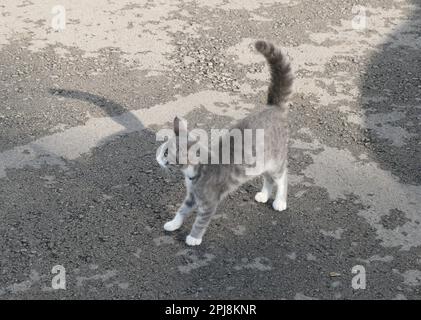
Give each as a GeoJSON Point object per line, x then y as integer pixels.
{"type": "Point", "coordinates": [174, 152]}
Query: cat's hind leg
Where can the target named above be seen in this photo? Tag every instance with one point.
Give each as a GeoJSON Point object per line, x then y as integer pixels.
{"type": "Point", "coordinates": [264, 195]}
{"type": "Point", "coordinates": [187, 206]}
{"type": "Point", "coordinates": [281, 181]}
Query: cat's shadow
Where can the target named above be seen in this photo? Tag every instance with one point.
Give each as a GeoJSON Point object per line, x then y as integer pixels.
{"type": "Point", "coordinates": [116, 111]}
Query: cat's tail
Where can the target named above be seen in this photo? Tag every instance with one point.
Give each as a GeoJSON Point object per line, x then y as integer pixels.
{"type": "Point", "coordinates": [282, 76]}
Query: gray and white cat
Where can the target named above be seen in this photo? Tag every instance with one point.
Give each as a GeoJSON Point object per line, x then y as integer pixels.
{"type": "Point", "coordinates": [208, 184]}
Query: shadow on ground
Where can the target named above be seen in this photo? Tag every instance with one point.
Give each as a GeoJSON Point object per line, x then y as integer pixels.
{"type": "Point", "coordinates": [391, 101]}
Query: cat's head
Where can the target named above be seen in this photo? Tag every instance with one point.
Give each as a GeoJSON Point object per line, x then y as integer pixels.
{"type": "Point", "coordinates": [175, 151]}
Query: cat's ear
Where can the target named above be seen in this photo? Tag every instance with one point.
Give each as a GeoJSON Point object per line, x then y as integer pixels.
{"type": "Point", "coordinates": [180, 126]}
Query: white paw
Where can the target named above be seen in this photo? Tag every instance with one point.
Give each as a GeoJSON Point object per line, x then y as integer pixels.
{"type": "Point", "coordinates": [261, 197]}
{"type": "Point", "coordinates": [279, 205]}
{"type": "Point", "coordinates": [174, 224]}
{"type": "Point", "coordinates": [193, 241]}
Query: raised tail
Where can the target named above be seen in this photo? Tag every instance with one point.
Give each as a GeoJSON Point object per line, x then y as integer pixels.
{"type": "Point", "coordinates": [281, 74]}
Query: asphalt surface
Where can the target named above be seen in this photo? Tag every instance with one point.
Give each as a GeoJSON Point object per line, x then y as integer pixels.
{"type": "Point", "coordinates": [80, 187]}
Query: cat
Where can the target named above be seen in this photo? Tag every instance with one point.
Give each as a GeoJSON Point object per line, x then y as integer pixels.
{"type": "Point", "coordinates": [208, 184]}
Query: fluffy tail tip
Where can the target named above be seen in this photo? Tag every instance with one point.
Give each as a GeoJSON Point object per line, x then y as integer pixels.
{"type": "Point", "coordinates": [264, 47]}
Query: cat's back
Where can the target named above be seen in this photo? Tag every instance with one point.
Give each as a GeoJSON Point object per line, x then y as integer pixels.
{"type": "Point", "coordinates": [265, 117]}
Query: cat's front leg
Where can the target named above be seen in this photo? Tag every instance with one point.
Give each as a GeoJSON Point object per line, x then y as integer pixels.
{"type": "Point", "coordinates": [266, 192]}
{"type": "Point", "coordinates": [200, 225]}
{"type": "Point", "coordinates": [187, 206]}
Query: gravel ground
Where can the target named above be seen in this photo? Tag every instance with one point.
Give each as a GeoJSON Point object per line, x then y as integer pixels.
{"type": "Point", "coordinates": [80, 187]}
